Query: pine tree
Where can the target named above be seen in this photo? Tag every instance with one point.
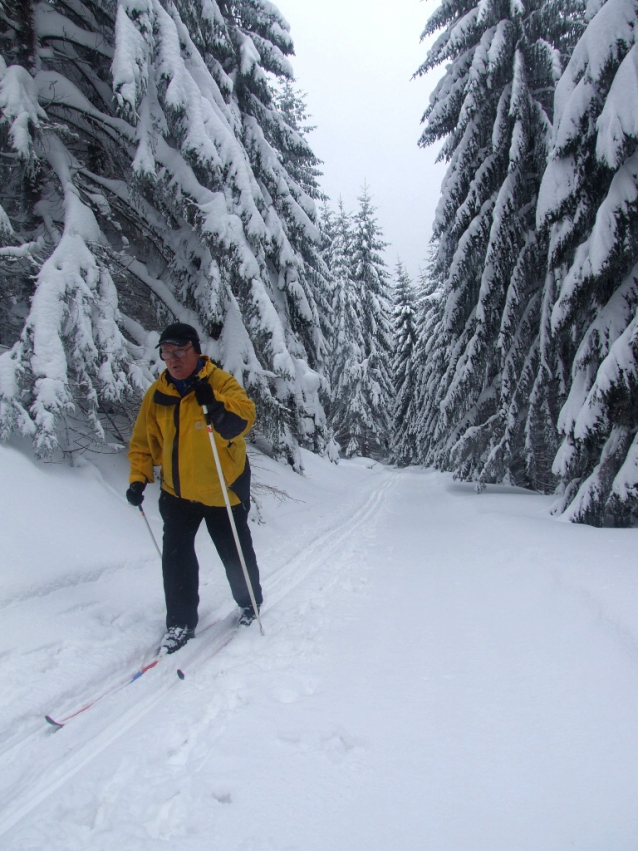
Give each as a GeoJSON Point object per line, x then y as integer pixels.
{"type": "Point", "coordinates": [428, 364]}
{"type": "Point", "coordinates": [589, 203]}
{"type": "Point", "coordinates": [151, 158]}
{"type": "Point", "coordinates": [346, 338]}
{"type": "Point", "coordinates": [493, 109]}
{"type": "Point", "coordinates": [301, 162]}
{"type": "Point", "coordinates": [404, 365]}
{"type": "Point", "coordinates": [327, 229]}
{"type": "Point", "coordinates": [70, 351]}
{"type": "Point", "coordinates": [374, 400]}
{"type": "Point", "coordinates": [323, 283]}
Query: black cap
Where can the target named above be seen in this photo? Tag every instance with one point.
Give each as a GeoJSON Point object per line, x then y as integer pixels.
{"type": "Point", "coordinates": [178, 334]}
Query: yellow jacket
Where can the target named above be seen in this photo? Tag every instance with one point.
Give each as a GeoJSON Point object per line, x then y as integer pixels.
{"type": "Point", "coordinates": [170, 432]}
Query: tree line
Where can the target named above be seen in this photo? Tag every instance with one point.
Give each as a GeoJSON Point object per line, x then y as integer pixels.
{"type": "Point", "coordinates": [524, 362]}
{"type": "Point", "coordinates": [155, 166]}
{"type": "Point", "coordinates": [151, 171]}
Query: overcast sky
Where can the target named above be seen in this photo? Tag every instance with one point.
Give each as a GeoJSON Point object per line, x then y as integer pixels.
{"type": "Point", "coordinates": [355, 61]}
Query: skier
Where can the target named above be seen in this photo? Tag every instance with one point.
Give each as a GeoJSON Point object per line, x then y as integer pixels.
{"type": "Point", "coordinates": [170, 432]}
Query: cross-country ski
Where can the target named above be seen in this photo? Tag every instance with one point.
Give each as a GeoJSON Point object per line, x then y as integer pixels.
{"type": "Point", "coordinates": [216, 635]}
{"type": "Point", "coordinates": [66, 718]}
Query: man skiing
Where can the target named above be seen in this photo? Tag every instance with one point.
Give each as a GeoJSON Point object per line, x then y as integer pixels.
{"type": "Point", "coordinates": [170, 432]}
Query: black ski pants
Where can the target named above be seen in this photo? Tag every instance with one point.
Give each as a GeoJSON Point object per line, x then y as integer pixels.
{"type": "Point", "coordinates": [182, 519]}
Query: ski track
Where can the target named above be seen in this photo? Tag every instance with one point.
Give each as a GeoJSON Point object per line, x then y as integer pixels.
{"type": "Point", "coordinates": [326, 543]}
{"type": "Point", "coordinates": [284, 580]}
{"type": "Point", "coordinates": [68, 705]}
{"type": "Point", "coordinates": [113, 731]}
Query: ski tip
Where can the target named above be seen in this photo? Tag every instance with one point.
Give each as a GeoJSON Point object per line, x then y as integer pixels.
{"type": "Point", "coordinates": [180, 674]}
{"type": "Point", "coordinates": [53, 723]}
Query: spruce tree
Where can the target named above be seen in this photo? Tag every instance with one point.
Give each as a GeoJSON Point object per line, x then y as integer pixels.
{"type": "Point", "coordinates": [589, 203]}
{"type": "Point", "coordinates": [152, 162]}
{"type": "Point", "coordinates": [404, 365]}
{"type": "Point", "coordinates": [371, 285]}
{"type": "Point", "coordinates": [428, 363]}
{"type": "Point", "coordinates": [301, 162]}
{"type": "Point", "coordinates": [493, 109]}
{"type": "Point", "coordinates": [67, 355]}
{"type": "Point", "coordinates": [346, 343]}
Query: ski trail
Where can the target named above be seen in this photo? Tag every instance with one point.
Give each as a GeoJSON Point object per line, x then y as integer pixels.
{"type": "Point", "coordinates": [326, 544]}
{"type": "Point", "coordinates": [68, 705]}
{"type": "Point", "coordinates": [73, 763]}
{"type": "Point", "coordinates": [285, 579]}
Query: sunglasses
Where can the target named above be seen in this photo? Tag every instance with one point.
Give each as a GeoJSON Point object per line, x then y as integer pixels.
{"type": "Point", "coordinates": [175, 354]}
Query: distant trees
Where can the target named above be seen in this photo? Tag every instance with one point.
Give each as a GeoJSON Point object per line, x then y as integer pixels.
{"type": "Point", "coordinates": [404, 364]}
{"type": "Point", "coordinates": [150, 171]}
{"type": "Point", "coordinates": [360, 343]}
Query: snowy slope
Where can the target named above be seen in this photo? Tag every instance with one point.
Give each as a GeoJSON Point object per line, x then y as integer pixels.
{"type": "Point", "coordinates": [440, 671]}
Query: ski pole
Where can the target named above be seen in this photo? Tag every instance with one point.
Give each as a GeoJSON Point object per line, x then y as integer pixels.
{"type": "Point", "coordinates": [240, 551]}
{"type": "Point", "coordinates": [150, 531]}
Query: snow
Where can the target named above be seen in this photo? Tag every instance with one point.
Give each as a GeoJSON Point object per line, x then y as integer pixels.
{"type": "Point", "coordinates": [459, 35]}
{"type": "Point", "coordinates": [440, 670]}
{"type": "Point", "coordinates": [129, 67]}
{"type": "Point", "coordinates": [19, 106]}
{"type": "Point", "coordinates": [52, 25]}
{"type": "Point", "coordinates": [617, 205]}
{"type": "Point", "coordinates": [618, 121]}
{"type": "Point", "coordinates": [499, 51]}
{"type": "Point", "coordinates": [602, 43]}
{"type": "Point", "coordinates": [625, 481]}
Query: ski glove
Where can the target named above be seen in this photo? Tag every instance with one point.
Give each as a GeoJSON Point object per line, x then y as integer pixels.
{"type": "Point", "coordinates": [226, 423]}
{"type": "Point", "coordinates": [135, 493]}
{"type": "Point", "coordinates": [206, 396]}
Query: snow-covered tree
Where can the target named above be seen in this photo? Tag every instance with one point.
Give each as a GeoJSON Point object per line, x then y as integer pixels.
{"type": "Point", "coordinates": [301, 162]}
{"type": "Point", "coordinates": [59, 294]}
{"type": "Point", "coordinates": [151, 160]}
{"type": "Point", "coordinates": [327, 225]}
{"type": "Point", "coordinates": [589, 201]}
{"type": "Point", "coordinates": [362, 393]}
{"type": "Point", "coordinates": [404, 365]}
{"type": "Point", "coordinates": [345, 338]}
{"type": "Point", "coordinates": [492, 108]}
{"type": "Point", "coordinates": [359, 331]}
{"type": "Point", "coordinates": [428, 361]}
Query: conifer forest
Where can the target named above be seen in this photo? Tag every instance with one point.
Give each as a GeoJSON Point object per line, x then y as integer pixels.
{"type": "Point", "coordinates": [156, 165]}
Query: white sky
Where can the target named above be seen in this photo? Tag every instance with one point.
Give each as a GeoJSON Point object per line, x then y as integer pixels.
{"type": "Point", "coordinates": [355, 62]}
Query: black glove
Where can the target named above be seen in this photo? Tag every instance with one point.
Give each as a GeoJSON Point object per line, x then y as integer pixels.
{"type": "Point", "coordinates": [226, 423]}
{"type": "Point", "coordinates": [135, 493]}
{"type": "Point", "coordinates": [205, 396]}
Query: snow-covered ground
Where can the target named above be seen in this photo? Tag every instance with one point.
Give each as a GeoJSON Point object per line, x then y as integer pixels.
{"type": "Point", "coordinates": [440, 671]}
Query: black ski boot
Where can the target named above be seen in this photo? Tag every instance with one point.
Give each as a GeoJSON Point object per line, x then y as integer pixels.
{"type": "Point", "coordinates": [247, 616]}
{"type": "Point", "coordinates": [176, 637]}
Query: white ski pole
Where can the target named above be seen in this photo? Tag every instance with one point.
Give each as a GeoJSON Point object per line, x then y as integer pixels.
{"type": "Point", "coordinates": [150, 531]}
{"type": "Point", "coordinates": [240, 551]}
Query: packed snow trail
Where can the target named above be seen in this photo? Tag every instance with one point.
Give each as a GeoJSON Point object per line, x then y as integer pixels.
{"type": "Point", "coordinates": [441, 670]}
{"type": "Point", "coordinates": [129, 707]}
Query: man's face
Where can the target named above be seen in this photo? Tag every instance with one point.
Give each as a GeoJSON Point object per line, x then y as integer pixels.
{"type": "Point", "coordinates": [180, 360]}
